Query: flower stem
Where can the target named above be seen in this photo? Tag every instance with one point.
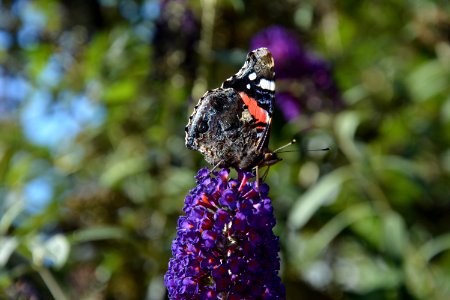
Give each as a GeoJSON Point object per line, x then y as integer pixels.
{"type": "Point", "coordinates": [51, 283]}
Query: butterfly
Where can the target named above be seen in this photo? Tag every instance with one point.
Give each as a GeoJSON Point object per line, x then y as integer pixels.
{"type": "Point", "coordinates": [231, 125]}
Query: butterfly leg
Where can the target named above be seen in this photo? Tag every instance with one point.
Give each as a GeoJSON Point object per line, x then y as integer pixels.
{"type": "Point", "coordinates": [266, 172]}
{"type": "Point", "coordinates": [215, 167]}
{"type": "Point", "coordinates": [257, 178]}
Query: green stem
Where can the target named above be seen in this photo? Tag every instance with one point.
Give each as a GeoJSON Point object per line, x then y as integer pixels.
{"type": "Point", "coordinates": [205, 46]}
{"type": "Point", "coordinates": [51, 283]}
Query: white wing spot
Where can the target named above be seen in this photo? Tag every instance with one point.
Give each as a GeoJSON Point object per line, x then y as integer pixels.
{"type": "Point", "coordinates": [267, 84]}
{"type": "Point", "coordinates": [248, 86]}
{"type": "Point", "coordinates": [252, 76]}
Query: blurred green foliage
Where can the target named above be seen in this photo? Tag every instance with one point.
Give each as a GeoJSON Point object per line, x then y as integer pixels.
{"type": "Point", "coordinates": [94, 97]}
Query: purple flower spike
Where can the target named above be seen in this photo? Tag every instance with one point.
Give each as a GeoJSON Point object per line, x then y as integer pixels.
{"type": "Point", "coordinates": [225, 247]}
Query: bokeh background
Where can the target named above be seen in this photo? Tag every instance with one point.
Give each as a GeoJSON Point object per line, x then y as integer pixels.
{"type": "Point", "coordinates": [94, 97]}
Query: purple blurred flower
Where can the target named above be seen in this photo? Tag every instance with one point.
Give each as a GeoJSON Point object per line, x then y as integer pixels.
{"type": "Point", "coordinates": [225, 247]}
{"type": "Point", "coordinates": [290, 58]}
{"type": "Point", "coordinates": [23, 288]}
{"type": "Point", "coordinates": [290, 105]}
{"type": "Point", "coordinates": [178, 17]}
{"type": "Point", "coordinates": [295, 65]}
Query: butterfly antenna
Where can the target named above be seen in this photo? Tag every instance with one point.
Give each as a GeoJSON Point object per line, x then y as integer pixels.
{"type": "Point", "coordinates": [322, 149]}
{"type": "Point", "coordinates": [284, 146]}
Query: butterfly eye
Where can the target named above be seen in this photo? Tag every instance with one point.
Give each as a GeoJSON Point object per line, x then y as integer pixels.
{"type": "Point", "coordinates": [203, 126]}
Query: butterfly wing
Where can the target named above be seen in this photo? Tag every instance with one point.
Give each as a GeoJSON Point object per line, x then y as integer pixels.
{"type": "Point", "coordinates": [255, 83]}
{"type": "Point", "coordinates": [230, 125]}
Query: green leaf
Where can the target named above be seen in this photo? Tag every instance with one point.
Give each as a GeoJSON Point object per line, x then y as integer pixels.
{"type": "Point", "coordinates": [94, 55]}
{"type": "Point", "coordinates": [370, 231]}
{"type": "Point", "coordinates": [16, 206]}
{"type": "Point", "coordinates": [121, 91]}
{"type": "Point", "coordinates": [395, 235]}
{"type": "Point", "coordinates": [361, 272]}
{"type": "Point", "coordinates": [436, 246]}
{"type": "Point", "coordinates": [238, 5]}
{"type": "Point", "coordinates": [122, 169]}
{"type": "Point", "coordinates": [396, 163]}
{"type": "Point", "coordinates": [38, 59]}
{"type": "Point", "coordinates": [327, 233]}
{"type": "Point", "coordinates": [323, 192]}
{"type": "Point", "coordinates": [345, 127]}
{"type": "Point", "coordinates": [428, 80]}
{"type": "Point", "coordinates": [418, 278]}
{"type": "Point", "coordinates": [7, 247]}
{"type": "Point", "coordinates": [96, 234]}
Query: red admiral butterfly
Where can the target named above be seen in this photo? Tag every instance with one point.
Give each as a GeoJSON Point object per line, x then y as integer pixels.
{"type": "Point", "coordinates": [230, 125]}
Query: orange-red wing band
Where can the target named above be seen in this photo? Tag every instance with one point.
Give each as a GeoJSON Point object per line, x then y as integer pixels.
{"type": "Point", "coordinates": [260, 114]}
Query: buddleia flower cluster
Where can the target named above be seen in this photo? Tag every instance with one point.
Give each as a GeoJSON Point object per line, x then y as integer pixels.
{"type": "Point", "coordinates": [225, 247]}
